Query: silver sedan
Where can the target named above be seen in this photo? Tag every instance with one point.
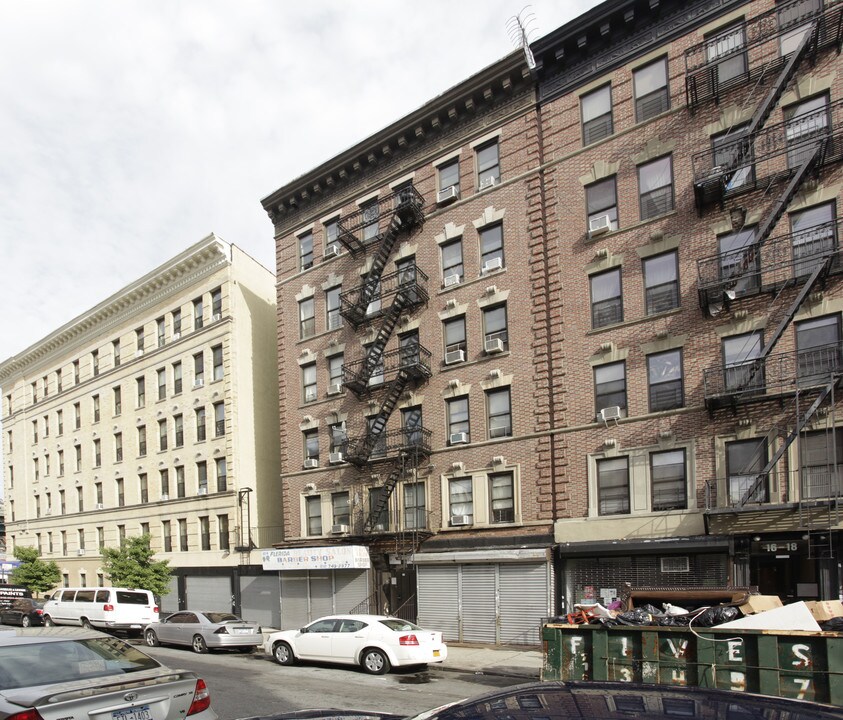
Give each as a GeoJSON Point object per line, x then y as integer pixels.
{"type": "Point", "coordinates": [204, 630]}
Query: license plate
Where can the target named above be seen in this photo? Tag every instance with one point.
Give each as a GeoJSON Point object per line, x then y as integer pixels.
{"type": "Point", "coordinates": [137, 713]}
{"type": "Point", "coordinates": [242, 631]}
{"type": "Point", "coordinates": [435, 653]}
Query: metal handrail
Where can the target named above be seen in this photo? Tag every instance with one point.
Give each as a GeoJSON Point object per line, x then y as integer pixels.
{"type": "Point", "coordinates": [414, 359]}
{"type": "Point", "coordinates": [405, 200]}
{"type": "Point", "coordinates": [389, 444]}
{"type": "Point", "coordinates": [411, 281]}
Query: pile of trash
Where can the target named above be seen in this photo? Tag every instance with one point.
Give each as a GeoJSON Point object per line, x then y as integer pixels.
{"type": "Point", "coordinates": [764, 612]}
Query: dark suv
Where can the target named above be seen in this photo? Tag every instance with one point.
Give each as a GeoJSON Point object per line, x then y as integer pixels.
{"type": "Point", "coordinates": [25, 612]}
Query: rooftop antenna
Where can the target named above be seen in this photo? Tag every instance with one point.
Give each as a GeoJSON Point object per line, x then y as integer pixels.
{"type": "Point", "coordinates": [520, 27]}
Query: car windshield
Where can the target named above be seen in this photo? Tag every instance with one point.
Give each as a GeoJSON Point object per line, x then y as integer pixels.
{"type": "Point", "coordinates": [399, 625]}
{"type": "Point", "coordinates": [218, 617]}
{"type": "Point", "coordinates": [25, 665]}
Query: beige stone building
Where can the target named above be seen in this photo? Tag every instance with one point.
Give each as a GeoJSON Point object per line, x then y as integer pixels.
{"type": "Point", "coordinates": [154, 412]}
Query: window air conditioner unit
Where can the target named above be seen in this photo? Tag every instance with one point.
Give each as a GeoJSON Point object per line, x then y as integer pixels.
{"type": "Point", "coordinates": [339, 529]}
{"type": "Point", "coordinates": [332, 250]}
{"type": "Point", "coordinates": [613, 412]}
{"type": "Point", "coordinates": [455, 356]}
{"type": "Point", "coordinates": [203, 491]}
{"type": "Point", "coordinates": [311, 463]}
{"type": "Point", "coordinates": [598, 225]}
{"type": "Point", "coordinates": [493, 264]}
{"type": "Point", "coordinates": [447, 194]}
{"type": "Point", "coordinates": [458, 438]}
{"type": "Point", "coordinates": [310, 395]}
{"type": "Point", "coordinates": [460, 520]}
{"type": "Point", "coordinates": [497, 431]}
{"type": "Point", "coordinates": [198, 382]}
{"type": "Point", "coordinates": [138, 353]}
{"type": "Point", "coordinates": [451, 280]}
{"type": "Point", "coordinates": [335, 458]}
{"type": "Point", "coordinates": [335, 389]}
{"type": "Point", "coordinates": [675, 564]}
{"type": "Point", "coordinates": [494, 345]}
{"type": "Point", "coordinates": [380, 527]}
{"type": "Point", "coordinates": [98, 506]}
{"type": "Point", "coordinates": [487, 182]}
{"type": "Point", "coordinates": [80, 552]}
{"type": "Point", "coordinates": [164, 496]}
{"type": "Point", "coordinates": [217, 316]}
{"type": "Point", "coordinates": [177, 336]}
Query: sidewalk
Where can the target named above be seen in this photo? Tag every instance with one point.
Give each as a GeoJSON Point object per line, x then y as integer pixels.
{"type": "Point", "coordinates": [523, 663]}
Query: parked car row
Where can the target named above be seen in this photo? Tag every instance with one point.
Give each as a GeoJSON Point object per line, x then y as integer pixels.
{"type": "Point", "coordinates": [25, 612]}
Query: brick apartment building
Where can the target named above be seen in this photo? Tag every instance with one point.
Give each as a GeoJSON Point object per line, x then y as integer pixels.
{"type": "Point", "coordinates": [574, 323]}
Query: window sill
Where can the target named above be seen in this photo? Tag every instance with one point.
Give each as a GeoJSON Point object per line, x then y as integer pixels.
{"type": "Point", "coordinates": [594, 240]}
{"type": "Point", "coordinates": [637, 321]}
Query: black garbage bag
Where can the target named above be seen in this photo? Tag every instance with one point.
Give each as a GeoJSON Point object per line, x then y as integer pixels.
{"type": "Point", "coordinates": [604, 621]}
{"type": "Point", "coordinates": [651, 610]}
{"type": "Point", "coordinates": [636, 616]}
{"type": "Point", "coordinates": [673, 620]}
{"type": "Point", "coordinates": [717, 615]}
{"type": "Point", "coordinates": [834, 624]}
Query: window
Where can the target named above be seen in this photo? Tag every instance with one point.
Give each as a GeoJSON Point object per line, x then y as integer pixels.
{"type": "Point", "coordinates": [740, 261]}
{"type": "Point", "coordinates": [219, 419]}
{"type": "Point", "coordinates": [34, 393]}
{"type": "Point", "coordinates": [223, 532]}
{"type": "Point", "coordinates": [415, 514]}
{"type": "Point", "coordinates": [162, 434]}
{"type": "Point", "coordinates": [378, 438]}
{"type": "Point", "coordinates": [814, 233]}
{"type": "Point", "coordinates": [335, 363]}
{"type": "Point", "coordinates": [165, 484]}
{"type": "Point", "coordinates": [502, 497]}
{"type": "Point", "coordinates": [491, 248]}
{"type": "Point", "coordinates": [198, 369]}
{"type": "Point", "coordinates": [162, 383]}
{"type": "Point", "coordinates": [733, 153]}
{"type": "Point", "coordinates": [458, 421]}
{"type": "Point", "coordinates": [115, 354]}
{"type": "Point", "coordinates": [610, 386]}
{"type": "Point", "coordinates": [664, 376]}
{"type": "Point", "coordinates": [408, 349]}
{"type": "Point", "coordinates": [35, 432]}
{"type": "Point", "coordinates": [412, 427]}
{"type": "Point", "coordinates": [460, 502]}
{"type": "Point", "coordinates": [821, 463]}
{"type": "Point", "coordinates": [448, 176]}
{"type": "Point", "coordinates": [376, 373]}
{"type": "Point", "coordinates": [121, 497]}
{"type": "Point", "coordinates": [176, 323]}
{"type": "Point", "coordinates": [371, 220]}
{"type": "Point", "coordinates": [46, 426]}
{"type": "Point", "coordinates": [61, 462]}
{"type": "Point", "coordinates": [307, 318]}
{"type": "Point", "coordinates": [140, 384]}
{"type": "Point", "coordinates": [740, 352]}
{"type": "Point", "coordinates": [95, 408]}
{"type": "Point", "coordinates": [139, 341]}
{"type": "Point", "coordinates": [118, 400]}
{"type": "Point", "coordinates": [613, 486]}
{"type": "Point", "coordinates": [377, 498]}
{"type": "Point", "coordinates": [177, 378]}
{"type": "Point", "coordinates": [333, 318]}
{"type": "Point", "coordinates": [455, 342]}
{"type": "Point", "coordinates": [488, 165]}
{"type": "Point", "coordinates": [58, 373]}
{"type": "Point", "coordinates": [160, 327]}
{"type": "Point", "coordinates": [499, 413]}
{"type": "Point", "coordinates": [601, 201]}
{"type": "Point", "coordinates": [95, 362]}
{"type": "Point", "coordinates": [337, 437]}
{"type": "Point", "coordinates": [97, 454]}
{"type": "Point", "coordinates": [308, 381]}
{"type": "Point", "coordinates": [652, 96]}
{"type": "Point", "coordinates": [745, 459]}
{"type": "Point", "coordinates": [143, 488]}
{"type": "Point", "coordinates": [118, 447]}
{"type": "Point", "coordinates": [332, 233]}
{"type": "Point", "coordinates": [80, 500]}
{"type": "Point", "coordinates": [202, 477]}
{"type": "Point", "coordinates": [198, 312]}
{"type": "Point", "coordinates": [216, 303]}
{"type": "Point", "coordinates": [167, 536]}
{"type": "Point", "coordinates": [181, 490]}
{"type": "Point", "coordinates": [35, 469]}
{"type": "Point", "coordinates": [596, 108]}
{"type": "Point", "coordinates": [204, 532]}
{"type": "Point", "coordinates": [183, 535]}
{"type": "Point", "coordinates": [305, 250]}
{"type": "Point", "coordinates": [313, 514]}
{"type": "Point", "coordinates": [495, 335]}
{"type": "Point", "coordinates": [75, 372]}
{"type": "Point", "coordinates": [311, 445]}
{"type": "Point", "coordinates": [221, 469]}
{"type": "Point", "coordinates": [667, 480]}
{"type": "Point", "coordinates": [792, 19]}
{"type": "Point", "coordinates": [178, 426]}
{"type": "Point", "coordinates": [339, 508]}
{"type": "Point", "coordinates": [452, 263]}
{"type": "Point", "coordinates": [200, 424]}
{"type": "Point", "coordinates": [655, 187]}
{"type": "Point", "coordinates": [818, 350]}
{"type": "Point", "coordinates": [806, 122]}
{"type": "Point", "coordinates": [661, 283]}
{"type": "Point", "coordinates": [216, 358]}
{"type": "Point", "coordinates": [77, 451]}
{"type": "Point", "coordinates": [727, 52]}
{"type": "Point", "coordinates": [606, 299]}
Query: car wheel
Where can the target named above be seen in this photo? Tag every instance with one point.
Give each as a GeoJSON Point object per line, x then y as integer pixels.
{"type": "Point", "coordinates": [199, 645]}
{"type": "Point", "coordinates": [87, 624]}
{"type": "Point", "coordinates": [48, 621]}
{"type": "Point", "coordinates": [374, 661]}
{"type": "Point", "coordinates": [283, 654]}
{"type": "Point", "coordinates": [25, 621]}
{"type": "Point", "coordinates": [151, 638]}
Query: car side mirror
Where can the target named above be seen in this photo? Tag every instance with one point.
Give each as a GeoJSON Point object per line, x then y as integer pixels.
{"type": "Point", "coordinates": [303, 630]}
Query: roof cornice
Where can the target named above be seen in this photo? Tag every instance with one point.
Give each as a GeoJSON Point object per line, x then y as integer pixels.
{"type": "Point", "coordinates": [197, 261]}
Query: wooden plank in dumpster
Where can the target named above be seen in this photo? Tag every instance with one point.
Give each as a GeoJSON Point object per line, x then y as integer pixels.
{"type": "Point", "coordinates": [800, 665]}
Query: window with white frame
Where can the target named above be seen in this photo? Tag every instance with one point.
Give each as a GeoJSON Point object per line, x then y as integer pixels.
{"type": "Point", "coordinates": [726, 53]}
{"type": "Point", "coordinates": [740, 369]}
{"type": "Point", "coordinates": [160, 327]}
{"type": "Point", "coordinates": [499, 413]}
{"type": "Point", "coordinates": [199, 369]}
{"type": "Point", "coordinates": [806, 122]}
{"type": "Point", "coordinates": [488, 165]}
{"type": "Point", "coordinates": [311, 445]}
{"type": "Point", "coordinates": [491, 248]}
{"type": "Point", "coordinates": [668, 481]}
{"type": "Point", "coordinates": [661, 282]}
{"type": "Point", "coordinates": [162, 434]}
{"type": "Point", "coordinates": [177, 378]}
{"type": "Point", "coordinates": [813, 235]}
{"type": "Point", "coordinates": [140, 386]}
{"type": "Point", "coordinates": [178, 430]}
{"type": "Point", "coordinates": [161, 374]}
{"type": "Point", "coordinates": [181, 487]}
{"type": "Point", "coordinates": [596, 109]}
{"type": "Point", "coordinates": [221, 467]}
{"type": "Point", "coordinates": [448, 176]}
{"type": "Point", "coordinates": [176, 322]}
{"type": "Point", "coordinates": [453, 270]}
{"type": "Point", "coordinates": [305, 241]}
{"type": "Point", "coordinates": [655, 187]}
{"type": "Point", "coordinates": [610, 386]}
{"type": "Point", "coordinates": [340, 509]}
{"type": "Point", "coordinates": [606, 298]}
{"type": "Point", "coordinates": [732, 152]}
{"type": "Point", "coordinates": [502, 498]}
{"type": "Point", "coordinates": [664, 380]}
{"type": "Point", "coordinates": [740, 261]}
{"type": "Point", "coordinates": [216, 355]}
{"type": "Point", "coordinates": [495, 332]}
{"type": "Point", "coordinates": [337, 437]}
{"type": "Point", "coordinates": [601, 200]}
{"type": "Point", "coordinates": [458, 421]}
{"type": "Point", "coordinates": [216, 303]}
{"type": "Point", "coordinates": [745, 459]}
{"type": "Point", "coordinates": [198, 313]}
{"type": "Point", "coordinates": [794, 20]}
{"type": "Point", "coordinates": [613, 486]}
{"type": "Point", "coordinates": [371, 220]}
{"type": "Point", "coordinates": [201, 428]}
{"type": "Point", "coordinates": [308, 381]}
{"type": "Point", "coordinates": [821, 463]}
{"type": "Point", "coordinates": [652, 95]}
{"type": "Point", "coordinates": [307, 318]}
{"type": "Point", "coordinates": [455, 340]}
{"type": "Point", "coordinates": [460, 501]}
{"type": "Point", "coordinates": [219, 419]}
{"type": "Point", "coordinates": [818, 350]}
{"type": "Point", "coordinates": [332, 233]}
{"type": "Point", "coordinates": [333, 319]}
{"type": "Point", "coordinates": [313, 514]}
{"type": "Point", "coordinates": [141, 440]}
{"type": "Point", "coordinates": [335, 379]}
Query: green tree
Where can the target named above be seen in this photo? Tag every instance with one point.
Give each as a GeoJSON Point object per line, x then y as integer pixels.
{"type": "Point", "coordinates": [36, 575]}
{"type": "Point", "coordinates": [133, 565]}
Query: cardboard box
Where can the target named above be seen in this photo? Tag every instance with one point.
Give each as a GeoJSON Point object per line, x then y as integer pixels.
{"type": "Point", "coordinates": [757, 603]}
{"type": "Point", "coordinates": [823, 610]}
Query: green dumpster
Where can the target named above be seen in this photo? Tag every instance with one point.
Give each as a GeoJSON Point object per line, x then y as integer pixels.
{"type": "Point", "coordinates": [803, 665]}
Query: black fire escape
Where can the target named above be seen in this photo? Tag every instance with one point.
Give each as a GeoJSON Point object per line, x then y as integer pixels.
{"type": "Point", "coordinates": [381, 376]}
{"type": "Point", "coordinates": [772, 161]}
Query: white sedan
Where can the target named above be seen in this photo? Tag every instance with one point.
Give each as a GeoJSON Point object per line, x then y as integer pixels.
{"type": "Point", "coordinates": [375, 642]}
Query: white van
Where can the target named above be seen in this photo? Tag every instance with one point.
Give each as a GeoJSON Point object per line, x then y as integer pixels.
{"type": "Point", "coordinates": [102, 608]}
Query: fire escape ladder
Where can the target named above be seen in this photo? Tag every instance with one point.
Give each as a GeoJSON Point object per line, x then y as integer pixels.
{"type": "Point", "coordinates": [375, 354]}
{"type": "Point", "coordinates": [398, 471]}
{"type": "Point", "coordinates": [760, 479]}
{"type": "Point", "coordinates": [361, 450]}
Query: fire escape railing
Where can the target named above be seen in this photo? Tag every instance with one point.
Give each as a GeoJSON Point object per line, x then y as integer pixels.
{"type": "Point", "coordinates": [750, 53]}
{"type": "Point", "coordinates": [411, 282]}
{"type": "Point", "coordinates": [413, 360]}
{"type": "Point", "coordinates": [387, 446]}
{"type": "Point", "coordinates": [365, 227]}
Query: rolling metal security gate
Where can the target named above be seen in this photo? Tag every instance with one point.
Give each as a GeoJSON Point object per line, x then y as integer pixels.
{"type": "Point", "coordinates": [170, 601]}
{"type": "Point", "coordinates": [493, 603]}
{"type": "Point", "coordinates": [209, 593]}
{"type": "Point", "coordinates": [308, 595]}
{"type": "Point", "coordinates": [260, 599]}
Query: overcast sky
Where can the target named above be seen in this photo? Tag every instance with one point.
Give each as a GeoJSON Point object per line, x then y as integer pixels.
{"type": "Point", "coordinates": [131, 130]}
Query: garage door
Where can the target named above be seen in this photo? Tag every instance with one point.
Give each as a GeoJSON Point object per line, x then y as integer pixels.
{"type": "Point", "coordinates": [170, 601]}
{"type": "Point", "coordinates": [209, 593]}
{"type": "Point", "coordinates": [525, 598]}
{"type": "Point", "coordinates": [438, 599]}
{"type": "Point", "coordinates": [351, 587]}
{"type": "Point", "coordinates": [478, 600]}
{"type": "Point", "coordinates": [260, 600]}
{"type": "Point", "coordinates": [294, 600]}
